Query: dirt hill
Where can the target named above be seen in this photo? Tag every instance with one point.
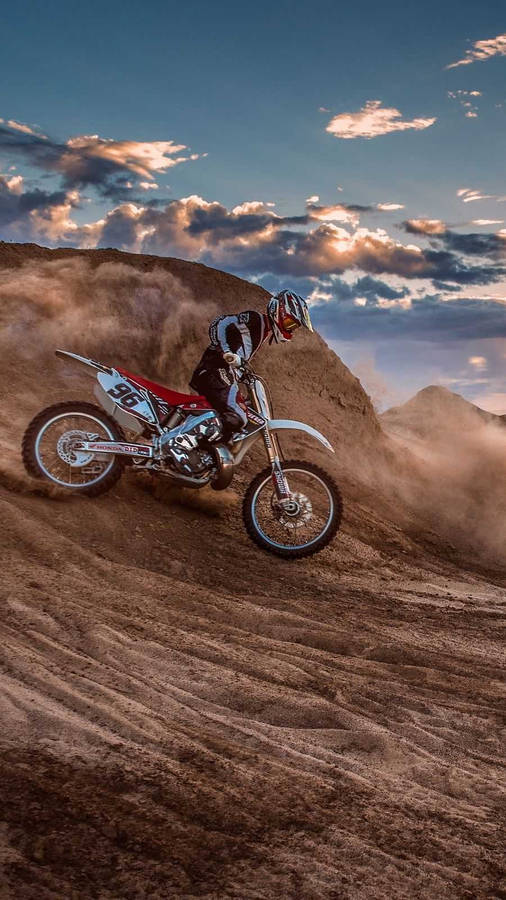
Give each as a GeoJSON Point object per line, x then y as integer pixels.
{"type": "Point", "coordinates": [152, 314]}
{"type": "Point", "coordinates": [436, 410]}
{"type": "Point", "coordinates": [184, 716]}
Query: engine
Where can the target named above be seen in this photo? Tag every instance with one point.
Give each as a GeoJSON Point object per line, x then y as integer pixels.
{"type": "Point", "coordinates": [182, 447]}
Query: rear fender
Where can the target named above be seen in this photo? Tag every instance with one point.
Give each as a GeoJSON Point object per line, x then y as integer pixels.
{"type": "Point", "coordinates": [91, 366]}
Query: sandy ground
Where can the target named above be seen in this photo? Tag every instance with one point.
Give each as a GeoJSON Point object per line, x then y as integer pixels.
{"type": "Point", "coordinates": [184, 716]}
{"type": "Point", "coordinates": [187, 717]}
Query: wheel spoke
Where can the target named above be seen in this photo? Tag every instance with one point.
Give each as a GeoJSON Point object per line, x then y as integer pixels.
{"type": "Point", "coordinates": [60, 461]}
{"type": "Point", "coordinates": [300, 522]}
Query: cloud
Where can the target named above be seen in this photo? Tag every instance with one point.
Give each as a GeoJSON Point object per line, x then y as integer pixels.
{"type": "Point", "coordinates": [251, 206]}
{"type": "Point", "coordinates": [426, 318]}
{"type": "Point", "coordinates": [254, 243]}
{"type": "Point", "coordinates": [53, 221]}
{"type": "Point", "coordinates": [482, 50]}
{"type": "Point", "coordinates": [468, 105]}
{"type": "Point", "coordinates": [373, 120]}
{"type": "Point", "coordinates": [389, 207]}
{"type": "Point", "coordinates": [25, 129]}
{"type": "Point", "coordinates": [12, 183]}
{"type": "Point", "coordinates": [471, 244]}
{"type": "Point", "coordinates": [478, 362]}
{"type": "Point", "coordinates": [35, 214]}
{"type": "Point", "coordinates": [468, 195]}
{"type": "Point", "coordinates": [111, 167]}
{"type": "Point", "coordinates": [140, 157]}
{"type": "Point", "coordinates": [424, 226]}
{"type": "Point", "coordinates": [252, 239]}
{"type": "Point", "coordinates": [339, 212]}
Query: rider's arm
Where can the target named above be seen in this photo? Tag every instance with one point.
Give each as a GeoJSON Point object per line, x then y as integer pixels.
{"type": "Point", "coordinates": [218, 332]}
{"type": "Point", "coordinates": [245, 332]}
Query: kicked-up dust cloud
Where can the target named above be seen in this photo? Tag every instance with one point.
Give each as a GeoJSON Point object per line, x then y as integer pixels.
{"type": "Point", "coordinates": [454, 472]}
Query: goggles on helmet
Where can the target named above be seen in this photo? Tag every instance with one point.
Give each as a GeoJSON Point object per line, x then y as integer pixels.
{"type": "Point", "coordinates": [289, 323]}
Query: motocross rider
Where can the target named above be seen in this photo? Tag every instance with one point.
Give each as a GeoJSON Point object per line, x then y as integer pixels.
{"type": "Point", "coordinates": [236, 338]}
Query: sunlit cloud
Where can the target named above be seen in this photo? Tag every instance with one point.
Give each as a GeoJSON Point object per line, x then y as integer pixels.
{"type": "Point", "coordinates": [54, 221]}
{"type": "Point", "coordinates": [467, 101]}
{"type": "Point", "coordinates": [373, 120]}
{"type": "Point", "coordinates": [352, 316]}
{"type": "Point", "coordinates": [113, 168]}
{"type": "Point", "coordinates": [252, 239]}
{"type": "Point", "coordinates": [334, 213]}
{"type": "Point", "coordinates": [389, 207]}
{"type": "Point", "coordinates": [12, 183]}
{"type": "Point", "coordinates": [482, 50]}
{"type": "Point", "coordinates": [139, 157]}
{"type": "Point", "coordinates": [474, 244]}
{"type": "Point", "coordinates": [24, 129]}
{"type": "Point", "coordinates": [478, 362]}
{"type": "Point", "coordinates": [36, 214]}
{"type": "Point", "coordinates": [424, 226]}
{"type": "Point", "coordinates": [251, 207]}
{"type": "Point", "coordinates": [469, 195]}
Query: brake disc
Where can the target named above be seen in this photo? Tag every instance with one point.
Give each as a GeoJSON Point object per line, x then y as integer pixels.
{"type": "Point", "coordinates": [294, 513]}
{"type": "Point", "coordinates": [66, 452]}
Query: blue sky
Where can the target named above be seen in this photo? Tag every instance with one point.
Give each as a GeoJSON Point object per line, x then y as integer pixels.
{"type": "Point", "coordinates": [396, 109]}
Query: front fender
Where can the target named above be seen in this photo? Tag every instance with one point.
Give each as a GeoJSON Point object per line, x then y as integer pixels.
{"type": "Point", "coordinates": [290, 424]}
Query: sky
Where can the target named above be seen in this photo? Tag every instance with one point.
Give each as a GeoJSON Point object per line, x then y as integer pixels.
{"type": "Point", "coordinates": [351, 152]}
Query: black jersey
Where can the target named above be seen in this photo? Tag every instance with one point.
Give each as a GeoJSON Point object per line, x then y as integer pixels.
{"type": "Point", "coordinates": [242, 334]}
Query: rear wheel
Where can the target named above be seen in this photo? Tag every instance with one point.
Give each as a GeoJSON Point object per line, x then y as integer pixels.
{"type": "Point", "coordinates": [303, 525]}
{"type": "Point", "coordinates": [48, 448]}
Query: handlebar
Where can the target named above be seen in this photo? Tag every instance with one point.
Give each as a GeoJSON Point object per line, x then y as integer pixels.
{"type": "Point", "coordinates": [244, 371]}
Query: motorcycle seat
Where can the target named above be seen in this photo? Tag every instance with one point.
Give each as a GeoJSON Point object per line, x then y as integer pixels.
{"type": "Point", "coordinates": [173, 398]}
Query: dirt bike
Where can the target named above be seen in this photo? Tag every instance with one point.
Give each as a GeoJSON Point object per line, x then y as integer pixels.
{"type": "Point", "coordinates": [291, 508]}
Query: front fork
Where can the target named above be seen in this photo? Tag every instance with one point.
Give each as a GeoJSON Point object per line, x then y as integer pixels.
{"type": "Point", "coordinates": [260, 401]}
{"type": "Point", "coordinates": [278, 476]}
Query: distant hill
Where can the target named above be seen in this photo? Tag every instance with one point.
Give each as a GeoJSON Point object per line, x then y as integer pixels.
{"type": "Point", "coordinates": [436, 410]}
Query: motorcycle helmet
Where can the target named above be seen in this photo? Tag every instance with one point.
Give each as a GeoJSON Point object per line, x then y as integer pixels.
{"type": "Point", "coordinates": [286, 312]}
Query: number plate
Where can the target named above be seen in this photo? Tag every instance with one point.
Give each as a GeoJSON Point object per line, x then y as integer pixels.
{"type": "Point", "coordinates": [127, 395]}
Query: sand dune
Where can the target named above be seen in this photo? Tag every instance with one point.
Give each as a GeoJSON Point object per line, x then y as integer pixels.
{"type": "Point", "coordinates": [183, 716]}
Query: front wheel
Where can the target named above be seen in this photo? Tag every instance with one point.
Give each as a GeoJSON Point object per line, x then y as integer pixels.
{"type": "Point", "coordinates": [303, 525]}
{"type": "Point", "coordinates": [48, 448]}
